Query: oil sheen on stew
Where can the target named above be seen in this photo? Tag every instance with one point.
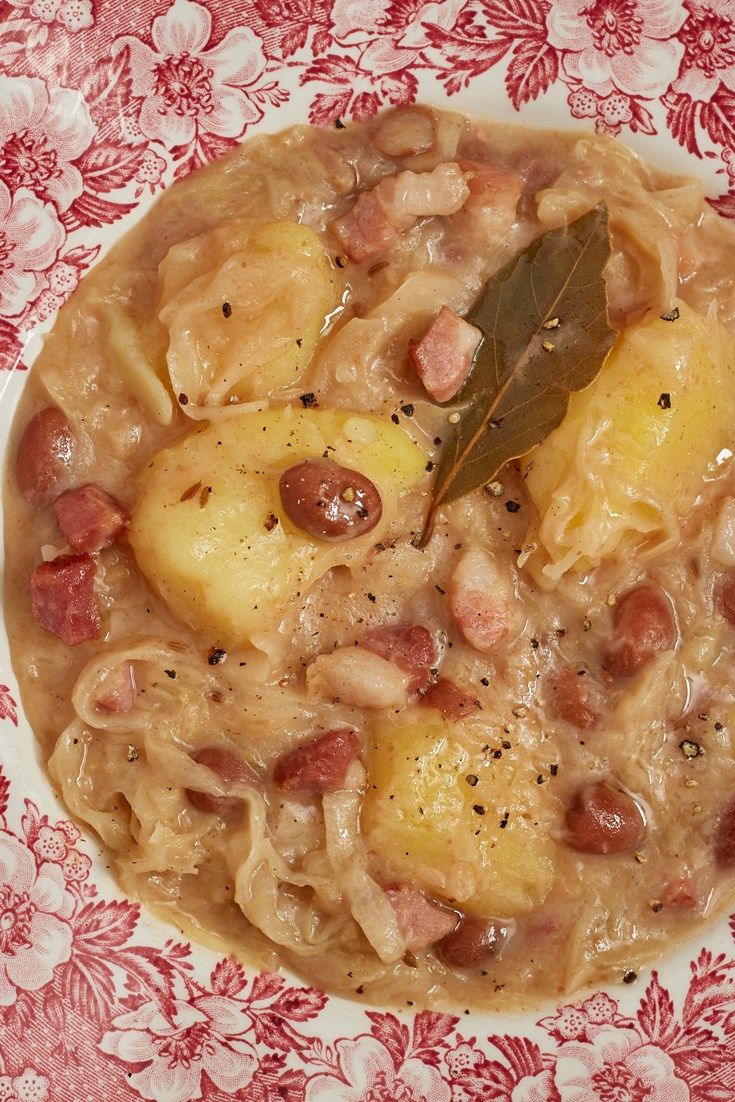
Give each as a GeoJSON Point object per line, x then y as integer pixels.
{"type": "Point", "coordinates": [477, 772]}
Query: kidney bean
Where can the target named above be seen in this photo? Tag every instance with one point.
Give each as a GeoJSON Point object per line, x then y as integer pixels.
{"type": "Point", "coordinates": [727, 597]}
{"type": "Point", "coordinates": [643, 626]}
{"type": "Point", "coordinates": [231, 770]}
{"type": "Point", "coordinates": [328, 501]}
{"type": "Point", "coordinates": [473, 943]}
{"type": "Point", "coordinates": [576, 698]}
{"type": "Point", "coordinates": [725, 838]}
{"type": "Point", "coordinates": [604, 819]}
{"type": "Point", "coordinates": [45, 454]}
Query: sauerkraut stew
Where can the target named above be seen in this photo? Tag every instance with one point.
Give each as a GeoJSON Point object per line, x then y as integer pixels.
{"type": "Point", "coordinates": [359, 650]}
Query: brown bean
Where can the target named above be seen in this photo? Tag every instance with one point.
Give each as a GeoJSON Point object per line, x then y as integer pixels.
{"type": "Point", "coordinates": [45, 454]}
{"type": "Point", "coordinates": [231, 770]}
{"type": "Point", "coordinates": [643, 626]}
{"type": "Point", "coordinates": [473, 943]}
{"type": "Point", "coordinates": [725, 838]}
{"type": "Point", "coordinates": [604, 819]}
{"type": "Point", "coordinates": [727, 597]}
{"type": "Point", "coordinates": [328, 501]}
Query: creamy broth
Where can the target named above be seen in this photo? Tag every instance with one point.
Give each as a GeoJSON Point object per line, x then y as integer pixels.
{"type": "Point", "coordinates": [481, 772]}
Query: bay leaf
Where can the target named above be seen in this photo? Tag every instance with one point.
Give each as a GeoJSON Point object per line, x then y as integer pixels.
{"type": "Point", "coordinates": [524, 374]}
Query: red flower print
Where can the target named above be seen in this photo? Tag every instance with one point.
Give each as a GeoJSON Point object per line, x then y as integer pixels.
{"type": "Point", "coordinates": [616, 1065]}
{"type": "Point", "coordinates": [30, 238]}
{"type": "Point", "coordinates": [29, 1086]}
{"type": "Point", "coordinates": [150, 172]}
{"type": "Point", "coordinates": [708, 36]}
{"type": "Point", "coordinates": [188, 88]}
{"type": "Point", "coordinates": [58, 282]}
{"type": "Point", "coordinates": [537, 1088]}
{"type": "Point", "coordinates": [35, 935]}
{"type": "Point", "coordinates": [366, 1072]}
{"type": "Point", "coordinates": [626, 45]}
{"type": "Point", "coordinates": [41, 134]}
{"type": "Point", "coordinates": [178, 1046]}
{"type": "Point", "coordinates": [73, 15]}
{"type": "Point", "coordinates": [610, 113]}
{"type": "Point", "coordinates": [388, 42]}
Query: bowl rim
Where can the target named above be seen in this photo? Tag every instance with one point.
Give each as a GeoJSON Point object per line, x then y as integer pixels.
{"type": "Point", "coordinates": [116, 142]}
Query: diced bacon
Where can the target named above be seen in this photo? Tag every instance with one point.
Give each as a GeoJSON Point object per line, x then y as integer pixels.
{"type": "Point", "coordinates": [422, 921]}
{"type": "Point", "coordinates": [231, 770]}
{"type": "Point", "coordinates": [394, 205]}
{"type": "Point", "coordinates": [450, 699]}
{"type": "Point", "coordinates": [643, 626]}
{"type": "Point", "coordinates": [680, 892]}
{"type": "Point", "coordinates": [482, 600]}
{"type": "Point", "coordinates": [574, 696]}
{"type": "Point", "coordinates": [492, 207]}
{"type": "Point", "coordinates": [490, 185]}
{"type": "Point", "coordinates": [63, 599]}
{"type": "Point", "coordinates": [317, 766]}
{"type": "Point", "coordinates": [45, 454]}
{"type": "Point", "coordinates": [358, 676]}
{"type": "Point", "coordinates": [117, 695]}
{"type": "Point", "coordinates": [443, 356]}
{"type": "Point", "coordinates": [89, 518]}
{"type": "Point", "coordinates": [408, 646]}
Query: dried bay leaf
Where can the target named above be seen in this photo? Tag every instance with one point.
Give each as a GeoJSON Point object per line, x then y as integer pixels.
{"type": "Point", "coordinates": [518, 390]}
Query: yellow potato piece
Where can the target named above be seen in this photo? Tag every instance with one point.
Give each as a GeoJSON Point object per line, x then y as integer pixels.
{"type": "Point", "coordinates": [278, 286]}
{"type": "Point", "coordinates": [429, 826]}
{"type": "Point", "coordinates": [200, 525]}
{"type": "Point", "coordinates": [624, 466]}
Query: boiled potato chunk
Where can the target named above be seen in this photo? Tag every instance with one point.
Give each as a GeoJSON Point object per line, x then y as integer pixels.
{"type": "Point", "coordinates": [208, 529]}
{"type": "Point", "coordinates": [420, 820]}
{"type": "Point", "coordinates": [629, 459]}
{"type": "Point", "coordinates": [244, 306]}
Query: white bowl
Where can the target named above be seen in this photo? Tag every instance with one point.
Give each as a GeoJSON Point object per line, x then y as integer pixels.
{"type": "Point", "coordinates": [100, 108]}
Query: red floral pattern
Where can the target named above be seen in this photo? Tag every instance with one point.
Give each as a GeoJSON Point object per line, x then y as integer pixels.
{"type": "Point", "coordinates": [101, 106]}
{"type": "Point", "coordinates": [85, 134]}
